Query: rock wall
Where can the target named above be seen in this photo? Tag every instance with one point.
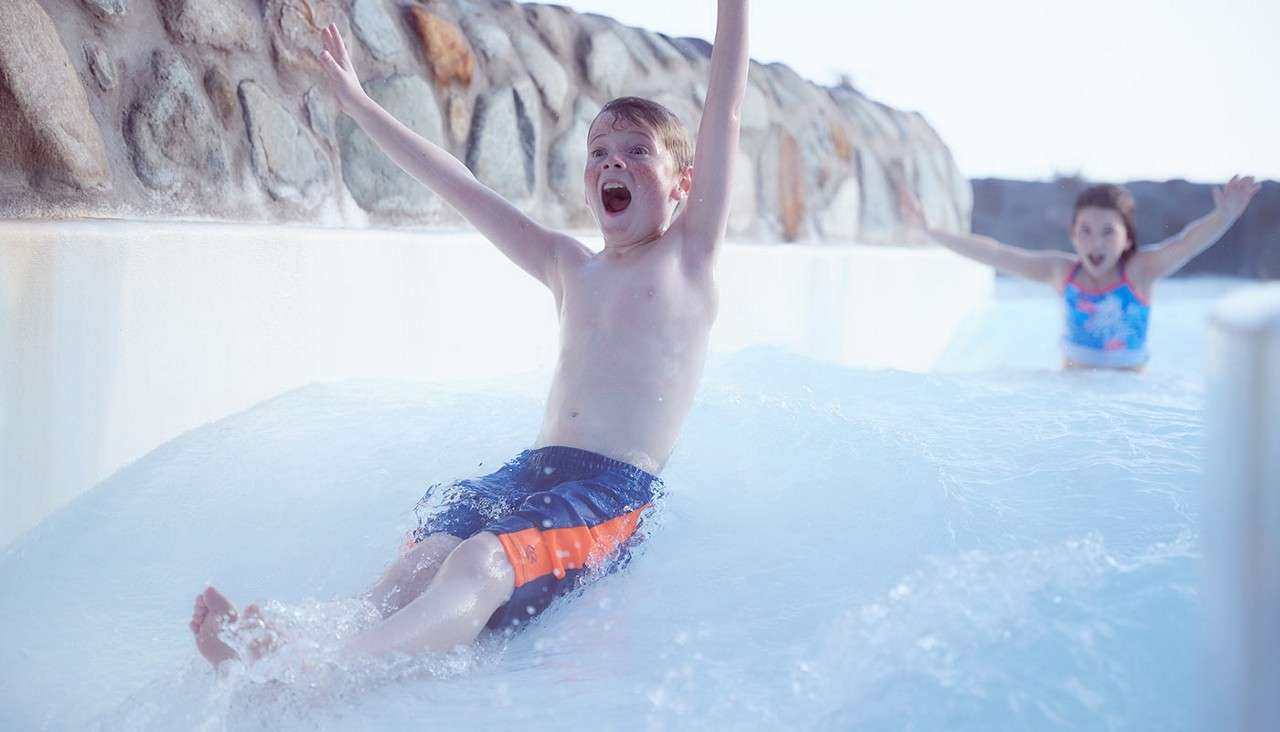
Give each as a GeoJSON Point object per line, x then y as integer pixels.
{"type": "Point", "coordinates": [1037, 215]}
{"type": "Point", "coordinates": [211, 109]}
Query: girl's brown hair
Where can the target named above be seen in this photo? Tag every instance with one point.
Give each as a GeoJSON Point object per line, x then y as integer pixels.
{"type": "Point", "coordinates": [1115, 198]}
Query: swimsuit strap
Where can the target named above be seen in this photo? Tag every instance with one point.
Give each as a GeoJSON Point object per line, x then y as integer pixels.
{"type": "Point", "coordinates": [1072, 277]}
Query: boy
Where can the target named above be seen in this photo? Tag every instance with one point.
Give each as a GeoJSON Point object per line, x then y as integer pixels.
{"type": "Point", "coordinates": [634, 324]}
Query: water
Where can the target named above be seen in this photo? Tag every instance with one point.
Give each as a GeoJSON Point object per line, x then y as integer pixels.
{"type": "Point", "coordinates": [999, 545]}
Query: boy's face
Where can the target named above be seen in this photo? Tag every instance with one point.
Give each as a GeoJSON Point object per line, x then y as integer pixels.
{"type": "Point", "coordinates": [631, 183]}
{"type": "Point", "coordinates": [1099, 237]}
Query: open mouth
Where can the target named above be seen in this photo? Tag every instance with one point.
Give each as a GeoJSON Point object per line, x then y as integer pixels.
{"type": "Point", "coordinates": [615, 197]}
{"type": "Point", "coordinates": [1096, 259]}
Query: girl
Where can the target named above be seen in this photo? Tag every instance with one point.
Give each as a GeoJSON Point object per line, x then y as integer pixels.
{"type": "Point", "coordinates": [1106, 285]}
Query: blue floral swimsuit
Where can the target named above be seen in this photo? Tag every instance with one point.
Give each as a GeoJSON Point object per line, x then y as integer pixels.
{"type": "Point", "coordinates": [1105, 328]}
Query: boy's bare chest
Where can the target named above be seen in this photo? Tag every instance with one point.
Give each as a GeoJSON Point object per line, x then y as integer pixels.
{"type": "Point", "coordinates": [653, 294]}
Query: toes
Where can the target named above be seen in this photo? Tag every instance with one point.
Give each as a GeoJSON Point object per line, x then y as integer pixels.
{"type": "Point", "coordinates": [218, 603]}
{"type": "Point", "coordinates": [252, 617]}
{"type": "Point", "coordinates": [198, 614]}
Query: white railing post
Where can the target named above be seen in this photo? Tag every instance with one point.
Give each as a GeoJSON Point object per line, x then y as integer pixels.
{"type": "Point", "coordinates": [1240, 510]}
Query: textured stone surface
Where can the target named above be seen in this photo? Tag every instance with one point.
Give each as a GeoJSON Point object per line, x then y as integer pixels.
{"type": "Point", "coordinates": [932, 175]}
{"type": "Point", "coordinates": [215, 23]}
{"type": "Point", "coordinates": [789, 89]}
{"type": "Point", "coordinates": [608, 64]}
{"type": "Point", "coordinates": [286, 158]}
{"type": "Point", "coordinates": [101, 65]}
{"type": "Point", "coordinates": [47, 130]}
{"type": "Point", "coordinates": [666, 53]}
{"type": "Point", "coordinates": [491, 42]}
{"type": "Point", "coordinates": [552, 22]}
{"type": "Point", "coordinates": [222, 94]}
{"type": "Point", "coordinates": [547, 60]}
{"type": "Point", "coordinates": [742, 203]}
{"type": "Point", "coordinates": [791, 188]}
{"type": "Point", "coordinates": [295, 35]}
{"type": "Point", "coordinates": [320, 112]}
{"type": "Point", "coordinates": [547, 73]}
{"type": "Point", "coordinates": [638, 46]}
{"type": "Point", "coordinates": [694, 50]}
{"type": "Point", "coordinates": [529, 122]}
{"type": "Point", "coordinates": [375, 182]}
{"type": "Point", "coordinates": [567, 161]}
{"type": "Point", "coordinates": [879, 220]}
{"type": "Point", "coordinates": [684, 108]}
{"type": "Point", "coordinates": [840, 142]}
{"type": "Point", "coordinates": [928, 181]}
{"type": "Point", "coordinates": [841, 218]}
{"type": "Point", "coordinates": [504, 138]}
{"type": "Point", "coordinates": [171, 131]}
{"type": "Point", "coordinates": [458, 111]}
{"type": "Point", "coordinates": [375, 29]}
{"type": "Point", "coordinates": [755, 109]}
{"type": "Point", "coordinates": [108, 9]}
{"type": "Point", "coordinates": [444, 47]}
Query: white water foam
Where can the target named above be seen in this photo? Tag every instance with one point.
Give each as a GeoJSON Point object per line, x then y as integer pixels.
{"type": "Point", "coordinates": [838, 549]}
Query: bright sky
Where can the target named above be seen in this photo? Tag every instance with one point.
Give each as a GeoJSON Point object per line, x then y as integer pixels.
{"type": "Point", "coordinates": [1113, 89]}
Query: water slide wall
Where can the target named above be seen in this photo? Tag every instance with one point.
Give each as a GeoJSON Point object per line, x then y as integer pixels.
{"type": "Point", "coordinates": [116, 337]}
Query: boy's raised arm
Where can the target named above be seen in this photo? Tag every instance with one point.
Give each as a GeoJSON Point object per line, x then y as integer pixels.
{"type": "Point", "coordinates": [707, 211]}
{"type": "Point", "coordinates": [531, 246]}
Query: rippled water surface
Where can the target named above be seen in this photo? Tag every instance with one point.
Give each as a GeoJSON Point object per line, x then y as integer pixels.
{"type": "Point", "coordinates": [998, 546]}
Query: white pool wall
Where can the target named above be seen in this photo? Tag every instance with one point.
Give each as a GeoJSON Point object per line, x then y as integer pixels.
{"type": "Point", "coordinates": [1241, 511]}
{"type": "Point", "coordinates": [118, 336]}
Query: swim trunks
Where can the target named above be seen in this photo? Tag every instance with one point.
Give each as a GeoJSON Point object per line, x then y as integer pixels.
{"type": "Point", "coordinates": [562, 515]}
{"type": "Point", "coordinates": [1105, 328]}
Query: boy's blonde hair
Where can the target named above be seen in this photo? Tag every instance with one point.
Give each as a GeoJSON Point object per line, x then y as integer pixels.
{"type": "Point", "coordinates": [662, 122]}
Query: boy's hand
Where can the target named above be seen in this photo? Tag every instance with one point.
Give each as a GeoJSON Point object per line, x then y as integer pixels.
{"type": "Point", "coordinates": [706, 216]}
{"type": "Point", "coordinates": [1235, 196]}
{"type": "Point", "coordinates": [340, 75]}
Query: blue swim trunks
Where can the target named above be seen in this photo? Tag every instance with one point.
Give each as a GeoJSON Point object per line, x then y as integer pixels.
{"type": "Point", "coordinates": [560, 513]}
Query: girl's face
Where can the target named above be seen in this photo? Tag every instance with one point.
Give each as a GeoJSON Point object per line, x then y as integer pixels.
{"type": "Point", "coordinates": [1100, 238]}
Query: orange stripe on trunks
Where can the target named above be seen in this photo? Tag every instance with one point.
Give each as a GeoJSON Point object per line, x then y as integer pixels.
{"type": "Point", "coordinates": [535, 553]}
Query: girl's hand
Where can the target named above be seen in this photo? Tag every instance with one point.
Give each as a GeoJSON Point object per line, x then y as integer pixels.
{"type": "Point", "coordinates": [912, 210]}
{"type": "Point", "coordinates": [1235, 196]}
{"type": "Point", "coordinates": [340, 75]}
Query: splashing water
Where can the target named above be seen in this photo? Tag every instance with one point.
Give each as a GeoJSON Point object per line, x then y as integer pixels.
{"type": "Point", "coordinates": [837, 549]}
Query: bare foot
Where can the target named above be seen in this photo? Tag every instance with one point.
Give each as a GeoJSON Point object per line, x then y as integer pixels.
{"type": "Point", "coordinates": [214, 620]}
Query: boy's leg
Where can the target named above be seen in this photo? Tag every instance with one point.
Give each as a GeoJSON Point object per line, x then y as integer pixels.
{"type": "Point", "coordinates": [403, 581]}
{"type": "Point", "coordinates": [473, 582]}
{"type": "Point", "coordinates": [409, 575]}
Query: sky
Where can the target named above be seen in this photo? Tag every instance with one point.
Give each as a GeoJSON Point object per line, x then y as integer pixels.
{"type": "Point", "coordinates": [1112, 90]}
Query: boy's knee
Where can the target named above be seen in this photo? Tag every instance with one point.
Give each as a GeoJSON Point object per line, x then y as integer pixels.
{"type": "Point", "coordinates": [435, 546]}
{"type": "Point", "coordinates": [483, 557]}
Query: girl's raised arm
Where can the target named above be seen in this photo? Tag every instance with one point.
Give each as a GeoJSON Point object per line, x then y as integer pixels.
{"type": "Point", "coordinates": [1050, 267]}
{"type": "Point", "coordinates": [1167, 257]}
